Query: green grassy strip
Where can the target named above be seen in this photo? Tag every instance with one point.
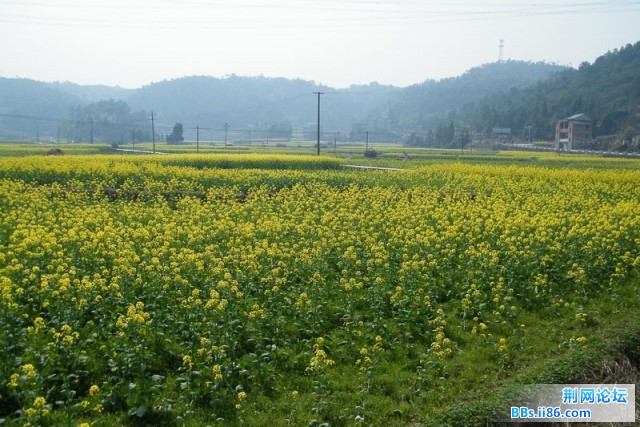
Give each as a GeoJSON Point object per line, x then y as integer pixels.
{"type": "Point", "coordinates": [615, 345]}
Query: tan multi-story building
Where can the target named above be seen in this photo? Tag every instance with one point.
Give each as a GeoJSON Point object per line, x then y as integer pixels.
{"type": "Point", "coordinates": [575, 129]}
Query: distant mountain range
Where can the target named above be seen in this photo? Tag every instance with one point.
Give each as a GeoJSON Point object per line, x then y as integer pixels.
{"type": "Point", "coordinates": [30, 108]}
{"type": "Point", "coordinates": [512, 94]}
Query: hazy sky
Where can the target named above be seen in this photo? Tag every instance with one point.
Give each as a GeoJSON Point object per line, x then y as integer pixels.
{"type": "Point", "coordinates": [131, 43]}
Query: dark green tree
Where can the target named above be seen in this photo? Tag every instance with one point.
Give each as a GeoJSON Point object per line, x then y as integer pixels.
{"type": "Point", "coordinates": [281, 130]}
{"type": "Point", "coordinates": [176, 137]}
{"type": "Point", "coordinates": [103, 121]}
{"type": "Point", "coordinates": [465, 138]}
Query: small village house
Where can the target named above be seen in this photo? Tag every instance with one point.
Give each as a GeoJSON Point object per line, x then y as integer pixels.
{"type": "Point", "coordinates": [577, 129]}
{"type": "Point", "coordinates": [501, 135]}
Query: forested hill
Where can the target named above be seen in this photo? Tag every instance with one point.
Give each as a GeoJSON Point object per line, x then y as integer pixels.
{"type": "Point", "coordinates": [424, 106]}
{"type": "Point", "coordinates": [92, 93]}
{"type": "Point", "coordinates": [608, 91]}
{"type": "Point", "coordinates": [257, 101]}
{"type": "Point", "coordinates": [31, 109]}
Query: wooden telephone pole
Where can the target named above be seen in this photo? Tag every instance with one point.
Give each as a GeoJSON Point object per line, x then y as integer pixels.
{"type": "Point", "coordinates": [319, 93]}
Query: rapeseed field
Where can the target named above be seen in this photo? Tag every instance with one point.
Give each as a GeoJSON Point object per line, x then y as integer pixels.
{"type": "Point", "coordinates": [285, 290]}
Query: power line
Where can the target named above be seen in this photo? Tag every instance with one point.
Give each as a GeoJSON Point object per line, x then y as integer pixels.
{"type": "Point", "coordinates": [25, 117]}
{"type": "Point", "coordinates": [338, 5]}
{"type": "Point", "coordinates": [69, 121]}
{"type": "Point", "coordinates": [415, 14]}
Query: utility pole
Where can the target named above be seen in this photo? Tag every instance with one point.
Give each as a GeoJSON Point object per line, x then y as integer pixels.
{"type": "Point", "coordinates": [197, 139]}
{"type": "Point", "coordinates": [335, 143]}
{"type": "Point", "coordinates": [91, 137]}
{"type": "Point", "coordinates": [226, 130]}
{"type": "Point", "coordinates": [153, 132]}
{"type": "Point", "coordinates": [367, 143]}
{"type": "Point", "coordinates": [319, 93]}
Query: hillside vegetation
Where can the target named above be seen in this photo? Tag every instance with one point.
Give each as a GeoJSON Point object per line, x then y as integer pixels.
{"type": "Point", "coordinates": [608, 91]}
{"type": "Point", "coordinates": [424, 106]}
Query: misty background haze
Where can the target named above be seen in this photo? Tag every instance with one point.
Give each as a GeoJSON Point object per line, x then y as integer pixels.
{"type": "Point", "coordinates": [391, 70]}
{"type": "Point", "coordinates": [336, 43]}
{"type": "Point", "coordinates": [525, 97]}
